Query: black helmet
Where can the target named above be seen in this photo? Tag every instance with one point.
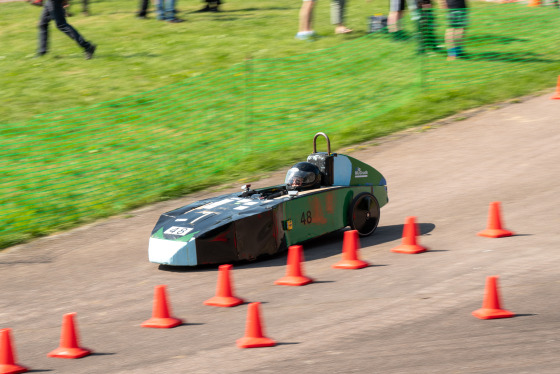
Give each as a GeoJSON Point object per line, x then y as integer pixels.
{"type": "Point", "coordinates": [303, 176]}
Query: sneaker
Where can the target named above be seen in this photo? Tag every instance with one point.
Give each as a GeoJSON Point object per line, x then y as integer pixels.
{"type": "Point", "coordinates": [90, 51]}
{"type": "Point", "coordinates": [305, 35]}
{"type": "Point", "coordinates": [175, 20]}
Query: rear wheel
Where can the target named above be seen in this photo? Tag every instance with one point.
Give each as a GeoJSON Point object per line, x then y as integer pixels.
{"type": "Point", "coordinates": [363, 214]}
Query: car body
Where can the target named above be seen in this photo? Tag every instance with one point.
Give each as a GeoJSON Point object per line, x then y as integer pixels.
{"type": "Point", "coordinates": [252, 223]}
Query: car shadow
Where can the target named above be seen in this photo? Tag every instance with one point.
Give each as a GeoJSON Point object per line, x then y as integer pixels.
{"type": "Point", "coordinates": [327, 245]}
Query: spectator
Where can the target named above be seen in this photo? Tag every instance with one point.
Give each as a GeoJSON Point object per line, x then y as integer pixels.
{"type": "Point", "coordinates": [166, 11]}
{"type": "Point", "coordinates": [54, 10]}
{"type": "Point", "coordinates": [457, 17]}
{"type": "Point", "coordinates": [305, 20]}
{"type": "Point", "coordinates": [396, 12]}
{"type": "Point", "coordinates": [337, 16]}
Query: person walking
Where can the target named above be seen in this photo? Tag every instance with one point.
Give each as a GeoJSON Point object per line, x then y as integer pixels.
{"type": "Point", "coordinates": [455, 33]}
{"type": "Point", "coordinates": [54, 10]}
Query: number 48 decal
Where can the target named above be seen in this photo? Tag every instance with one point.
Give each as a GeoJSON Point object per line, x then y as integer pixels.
{"type": "Point", "coordinates": [306, 217]}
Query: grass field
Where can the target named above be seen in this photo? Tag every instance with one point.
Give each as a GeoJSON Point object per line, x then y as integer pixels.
{"type": "Point", "coordinates": [165, 109]}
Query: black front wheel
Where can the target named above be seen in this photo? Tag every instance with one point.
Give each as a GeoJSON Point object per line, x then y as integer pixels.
{"type": "Point", "coordinates": [363, 214]}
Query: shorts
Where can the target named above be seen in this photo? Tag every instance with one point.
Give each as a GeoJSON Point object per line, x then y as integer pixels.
{"type": "Point", "coordinates": [396, 5]}
{"type": "Point", "coordinates": [457, 18]}
{"type": "Point", "coordinates": [399, 5]}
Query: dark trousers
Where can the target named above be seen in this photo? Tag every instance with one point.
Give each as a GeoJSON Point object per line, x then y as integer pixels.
{"type": "Point", "coordinates": [53, 10]}
{"type": "Point", "coordinates": [144, 4]}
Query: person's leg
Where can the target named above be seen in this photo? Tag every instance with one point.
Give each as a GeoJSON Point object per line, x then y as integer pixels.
{"type": "Point", "coordinates": [62, 25]}
{"type": "Point", "coordinates": [396, 8]}
{"type": "Point", "coordinates": [85, 7]}
{"type": "Point", "coordinates": [159, 10]}
{"type": "Point", "coordinates": [306, 20]}
{"type": "Point", "coordinates": [426, 26]}
{"type": "Point", "coordinates": [306, 15]}
{"type": "Point", "coordinates": [337, 16]}
{"type": "Point", "coordinates": [455, 33]}
{"type": "Point", "coordinates": [169, 10]}
{"type": "Point", "coordinates": [143, 11]}
{"type": "Point", "coordinates": [43, 27]}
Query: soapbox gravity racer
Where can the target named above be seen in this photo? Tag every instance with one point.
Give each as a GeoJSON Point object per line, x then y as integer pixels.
{"type": "Point", "coordinates": [324, 194]}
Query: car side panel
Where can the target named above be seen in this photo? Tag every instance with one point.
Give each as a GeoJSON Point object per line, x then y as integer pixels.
{"type": "Point", "coordinates": [255, 236]}
{"type": "Point", "coordinates": [315, 214]}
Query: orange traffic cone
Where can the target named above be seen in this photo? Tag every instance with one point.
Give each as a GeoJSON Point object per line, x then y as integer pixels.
{"type": "Point", "coordinates": [350, 247]}
{"type": "Point", "coordinates": [161, 314]}
{"type": "Point", "coordinates": [491, 305]}
{"type": "Point", "coordinates": [534, 3]}
{"type": "Point", "coordinates": [494, 229]}
{"type": "Point", "coordinates": [8, 356]}
{"type": "Point", "coordinates": [69, 340]}
{"type": "Point", "coordinates": [409, 244]}
{"type": "Point", "coordinates": [557, 94]}
{"type": "Point", "coordinates": [254, 335]}
{"type": "Point", "coordinates": [294, 274]}
{"type": "Point", "coordinates": [224, 294]}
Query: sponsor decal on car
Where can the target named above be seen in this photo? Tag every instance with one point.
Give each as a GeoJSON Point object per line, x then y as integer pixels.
{"type": "Point", "coordinates": [359, 173]}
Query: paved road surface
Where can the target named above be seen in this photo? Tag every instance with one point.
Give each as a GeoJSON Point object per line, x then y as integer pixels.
{"type": "Point", "coordinates": [404, 314]}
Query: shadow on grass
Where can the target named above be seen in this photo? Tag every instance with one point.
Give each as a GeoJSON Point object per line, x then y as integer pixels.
{"type": "Point", "coordinates": [495, 39]}
{"type": "Point", "coordinates": [526, 57]}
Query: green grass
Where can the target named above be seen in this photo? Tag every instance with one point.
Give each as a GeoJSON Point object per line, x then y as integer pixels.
{"type": "Point", "coordinates": [166, 109]}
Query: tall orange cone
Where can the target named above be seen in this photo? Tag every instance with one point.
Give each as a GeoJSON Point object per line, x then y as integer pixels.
{"type": "Point", "coordinates": [69, 347]}
{"type": "Point", "coordinates": [8, 355]}
{"type": "Point", "coordinates": [254, 334]}
{"type": "Point", "coordinates": [494, 228]}
{"type": "Point", "coordinates": [557, 94]}
{"type": "Point", "coordinates": [409, 244]}
{"type": "Point", "coordinates": [350, 247]}
{"type": "Point", "coordinates": [224, 294]}
{"type": "Point", "coordinates": [491, 304]}
{"type": "Point", "coordinates": [161, 314]}
{"type": "Point", "coordinates": [294, 274]}
{"type": "Point", "coordinates": [534, 3]}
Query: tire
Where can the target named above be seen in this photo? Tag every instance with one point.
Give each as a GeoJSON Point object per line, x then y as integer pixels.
{"type": "Point", "coordinates": [363, 214]}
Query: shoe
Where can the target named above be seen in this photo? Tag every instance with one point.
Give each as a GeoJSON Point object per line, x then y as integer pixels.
{"type": "Point", "coordinates": [175, 20]}
{"type": "Point", "coordinates": [142, 16]}
{"type": "Point", "coordinates": [37, 3]}
{"type": "Point", "coordinates": [39, 54]}
{"type": "Point", "coordinates": [90, 51]}
{"type": "Point", "coordinates": [305, 35]}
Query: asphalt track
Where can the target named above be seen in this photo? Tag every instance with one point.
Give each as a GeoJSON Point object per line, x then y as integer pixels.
{"type": "Point", "coordinates": [403, 314]}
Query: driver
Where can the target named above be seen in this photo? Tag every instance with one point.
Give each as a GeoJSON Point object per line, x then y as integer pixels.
{"type": "Point", "coordinates": [303, 176]}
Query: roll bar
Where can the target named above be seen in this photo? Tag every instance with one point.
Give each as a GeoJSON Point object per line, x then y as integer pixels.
{"type": "Point", "coordinates": [315, 142]}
